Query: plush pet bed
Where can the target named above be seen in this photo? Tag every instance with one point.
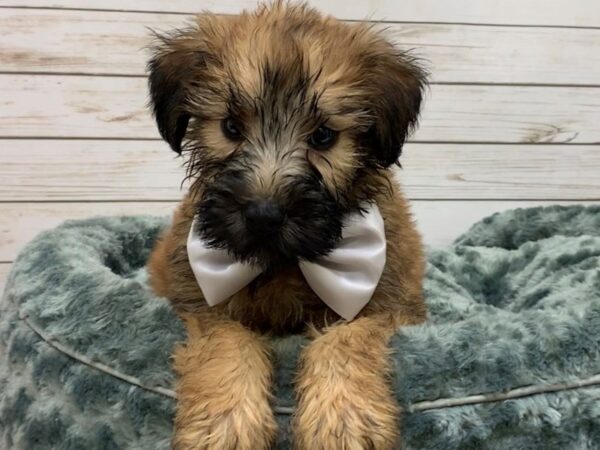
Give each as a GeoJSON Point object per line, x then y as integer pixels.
{"type": "Point", "coordinates": [508, 360]}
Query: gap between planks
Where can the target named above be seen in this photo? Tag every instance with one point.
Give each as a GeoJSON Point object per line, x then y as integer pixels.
{"type": "Point", "coordinates": [430, 83]}
{"type": "Point", "coordinates": [83, 106]}
{"type": "Point", "coordinates": [71, 42]}
{"type": "Point", "coordinates": [554, 13]}
{"type": "Point", "coordinates": [74, 170]}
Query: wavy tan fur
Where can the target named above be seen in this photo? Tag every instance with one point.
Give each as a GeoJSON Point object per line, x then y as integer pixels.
{"type": "Point", "coordinates": [369, 92]}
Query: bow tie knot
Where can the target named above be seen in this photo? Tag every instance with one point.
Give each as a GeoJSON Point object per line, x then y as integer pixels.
{"type": "Point", "coordinates": [344, 280]}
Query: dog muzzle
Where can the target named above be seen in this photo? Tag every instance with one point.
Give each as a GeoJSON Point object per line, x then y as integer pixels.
{"type": "Point", "coordinates": [344, 280]}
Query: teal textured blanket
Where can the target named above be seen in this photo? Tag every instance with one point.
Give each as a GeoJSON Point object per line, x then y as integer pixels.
{"type": "Point", "coordinates": [509, 359]}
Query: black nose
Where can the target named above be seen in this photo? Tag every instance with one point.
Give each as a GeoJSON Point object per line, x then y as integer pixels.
{"type": "Point", "coordinates": [264, 217]}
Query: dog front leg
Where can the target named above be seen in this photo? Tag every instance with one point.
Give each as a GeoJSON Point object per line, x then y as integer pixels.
{"type": "Point", "coordinates": [344, 401]}
{"type": "Point", "coordinates": [224, 388]}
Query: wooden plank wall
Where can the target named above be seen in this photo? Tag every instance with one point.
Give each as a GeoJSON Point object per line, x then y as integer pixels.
{"type": "Point", "coordinates": [512, 117]}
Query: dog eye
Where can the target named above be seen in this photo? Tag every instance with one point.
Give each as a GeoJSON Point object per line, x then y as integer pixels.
{"type": "Point", "coordinates": [323, 138]}
{"type": "Point", "coordinates": [231, 129]}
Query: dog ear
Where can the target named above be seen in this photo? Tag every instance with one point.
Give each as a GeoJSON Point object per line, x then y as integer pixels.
{"type": "Point", "coordinates": [178, 63]}
{"type": "Point", "coordinates": [397, 84]}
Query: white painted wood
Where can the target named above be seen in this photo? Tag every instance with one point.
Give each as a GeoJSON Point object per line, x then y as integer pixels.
{"type": "Point", "coordinates": [41, 170]}
{"type": "Point", "coordinates": [74, 106]}
{"type": "Point", "coordinates": [511, 114]}
{"type": "Point", "coordinates": [114, 107]}
{"type": "Point", "coordinates": [440, 222]}
{"type": "Point", "coordinates": [583, 13]}
{"type": "Point", "coordinates": [63, 170]}
{"type": "Point", "coordinates": [43, 182]}
{"type": "Point", "coordinates": [488, 54]}
{"type": "Point", "coordinates": [21, 222]}
{"type": "Point", "coordinates": [4, 270]}
{"type": "Point", "coordinates": [76, 42]}
{"type": "Point", "coordinates": [526, 172]}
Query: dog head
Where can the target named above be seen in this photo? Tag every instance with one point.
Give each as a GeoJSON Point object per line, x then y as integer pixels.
{"type": "Point", "coordinates": [288, 120]}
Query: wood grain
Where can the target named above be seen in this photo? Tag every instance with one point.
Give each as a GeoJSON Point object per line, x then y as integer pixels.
{"type": "Point", "coordinates": [440, 223]}
{"type": "Point", "coordinates": [41, 170]}
{"type": "Point", "coordinates": [581, 13]}
{"type": "Point", "coordinates": [20, 222]}
{"type": "Point", "coordinates": [114, 107]}
{"type": "Point", "coordinates": [62, 170]}
{"type": "Point", "coordinates": [496, 172]}
{"type": "Point", "coordinates": [506, 73]}
{"type": "Point", "coordinates": [76, 42]}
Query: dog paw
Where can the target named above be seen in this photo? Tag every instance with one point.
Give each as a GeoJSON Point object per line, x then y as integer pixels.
{"type": "Point", "coordinates": [223, 390]}
{"type": "Point", "coordinates": [245, 428]}
{"type": "Point", "coordinates": [346, 424]}
{"type": "Point", "coordinates": [343, 418]}
{"type": "Point", "coordinates": [344, 400]}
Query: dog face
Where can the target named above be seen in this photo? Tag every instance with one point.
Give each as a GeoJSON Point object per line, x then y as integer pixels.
{"type": "Point", "coordinates": [288, 120]}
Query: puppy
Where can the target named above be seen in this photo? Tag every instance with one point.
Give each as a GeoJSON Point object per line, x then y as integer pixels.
{"type": "Point", "coordinates": [289, 121]}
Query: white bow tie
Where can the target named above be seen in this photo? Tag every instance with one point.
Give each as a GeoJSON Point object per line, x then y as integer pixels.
{"type": "Point", "coordinates": [345, 279]}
